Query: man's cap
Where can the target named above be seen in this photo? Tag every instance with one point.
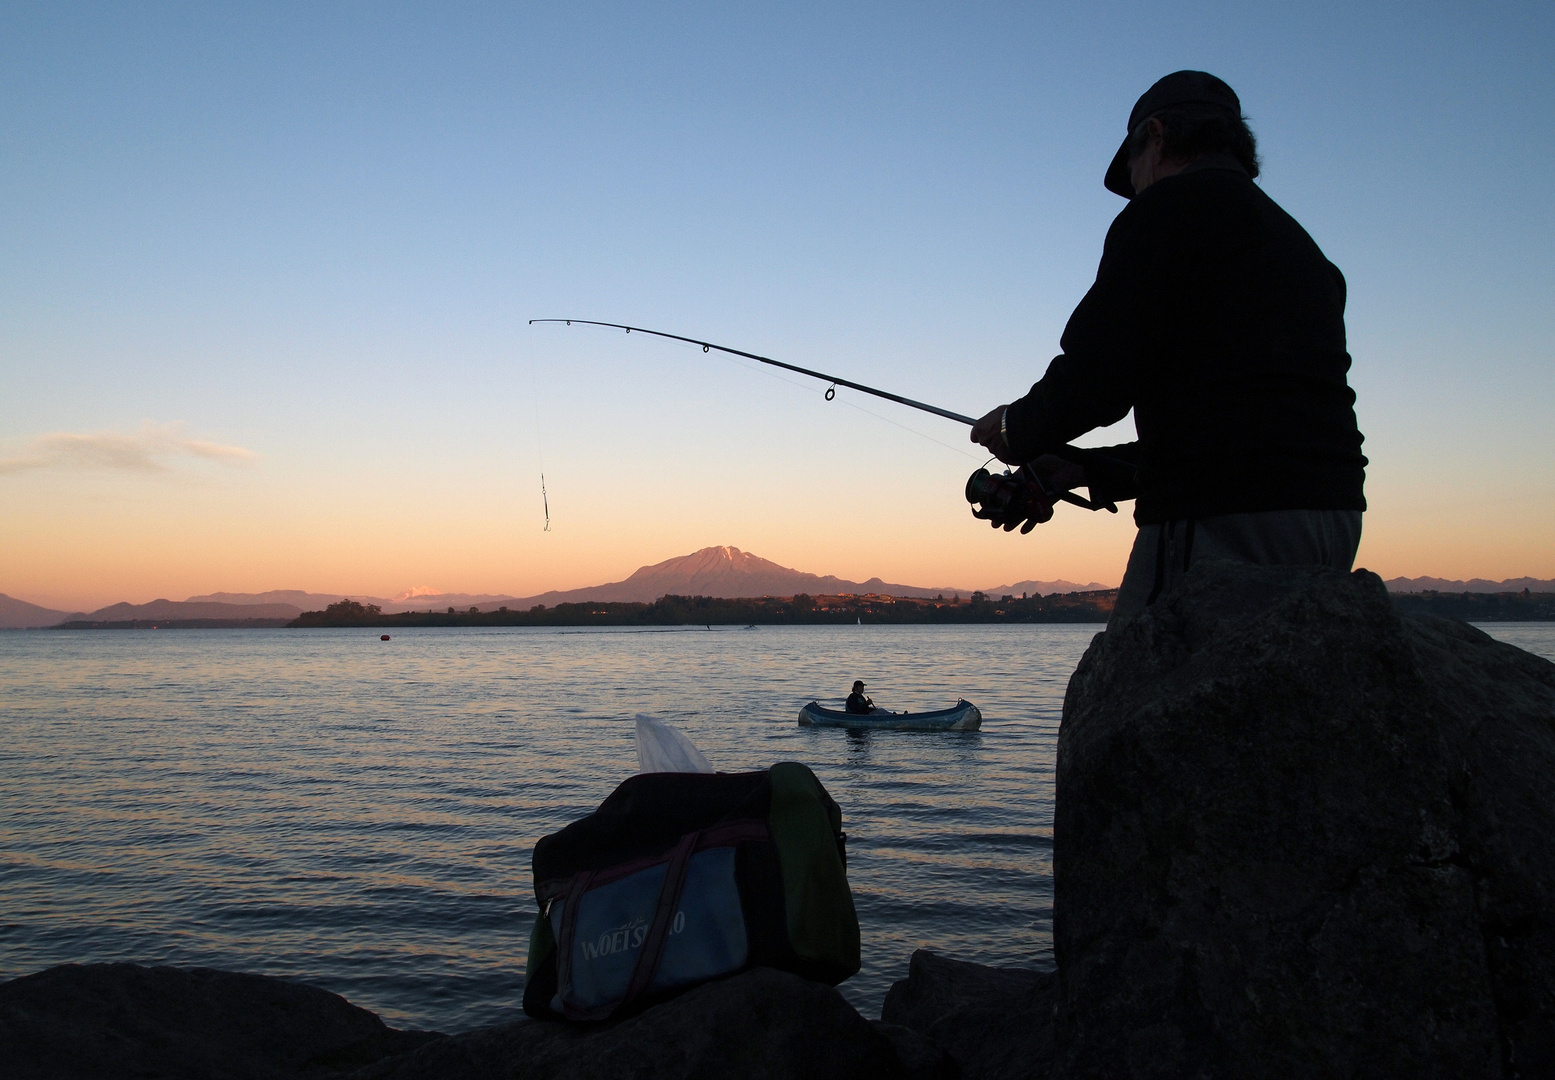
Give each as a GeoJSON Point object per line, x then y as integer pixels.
{"type": "Point", "coordinates": [858, 684]}
{"type": "Point", "coordinates": [1178, 88]}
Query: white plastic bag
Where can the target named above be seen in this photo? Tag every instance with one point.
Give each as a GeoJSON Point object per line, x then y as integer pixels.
{"type": "Point", "coordinates": [660, 748]}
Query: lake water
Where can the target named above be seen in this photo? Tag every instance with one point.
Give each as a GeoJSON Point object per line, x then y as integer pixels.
{"type": "Point", "coordinates": [359, 814]}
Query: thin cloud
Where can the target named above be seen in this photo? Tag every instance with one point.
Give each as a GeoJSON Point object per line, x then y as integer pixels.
{"type": "Point", "coordinates": [155, 448]}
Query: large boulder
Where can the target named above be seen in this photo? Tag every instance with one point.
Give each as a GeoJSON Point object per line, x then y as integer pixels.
{"type": "Point", "coordinates": [1298, 835]}
{"type": "Point", "coordinates": [997, 1023]}
{"type": "Point", "coordinates": [117, 1020]}
{"type": "Point", "coordinates": [760, 1025]}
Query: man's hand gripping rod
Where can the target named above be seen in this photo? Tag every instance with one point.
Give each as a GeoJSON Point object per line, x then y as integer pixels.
{"type": "Point", "coordinates": [1049, 493]}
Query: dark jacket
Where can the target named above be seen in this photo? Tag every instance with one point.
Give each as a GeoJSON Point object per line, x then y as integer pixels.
{"type": "Point", "coordinates": [857, 703]}
{"type": "Point", "coordinates": [1215, 318]}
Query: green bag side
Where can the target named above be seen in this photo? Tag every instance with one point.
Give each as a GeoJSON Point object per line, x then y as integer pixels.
{"type": "Point", "coordinates": [542, 946]}
{"type": "Point", "coordinates": [822, 924]}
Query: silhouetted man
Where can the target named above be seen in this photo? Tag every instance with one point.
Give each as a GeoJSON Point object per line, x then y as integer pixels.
{"type": "Point", "coordinates": [1216, 318]}
{"type": "Point", "coordinates": [857, 702]}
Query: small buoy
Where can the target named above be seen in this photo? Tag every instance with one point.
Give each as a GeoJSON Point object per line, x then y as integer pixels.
{"type": "Point", "coordinates": [385, 637]}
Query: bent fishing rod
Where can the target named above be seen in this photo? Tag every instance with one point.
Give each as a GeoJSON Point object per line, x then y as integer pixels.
{"type": "Point", "coordinates": [834, 380]}
{"type": "Point", "coordinates": [1067, 452]}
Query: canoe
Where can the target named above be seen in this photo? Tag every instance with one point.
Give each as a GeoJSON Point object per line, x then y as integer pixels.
{"type": "Point", "coordinates": [963, 716]}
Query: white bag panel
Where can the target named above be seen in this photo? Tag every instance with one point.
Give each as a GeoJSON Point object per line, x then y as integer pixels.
{"type": "Point", "coordinates": [660, 748]}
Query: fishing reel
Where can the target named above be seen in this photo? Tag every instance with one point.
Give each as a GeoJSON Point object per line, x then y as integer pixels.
{"type": "Point", "coordinates": [1011, 498]}
{"type": "Point", "coordinates": [1023, 498]}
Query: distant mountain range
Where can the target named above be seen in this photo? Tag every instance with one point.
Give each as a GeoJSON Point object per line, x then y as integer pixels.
{"type": "Point", "coordinates": [1475, 585]}
{"type": "Point", "coordinates": [187, 609]}
{"type": "Point", "coordinates": [19, 614]}
{"type": "Point", "coordinates": [730, 572]}
{"type": "Point", "coordinates": [1042, 588]}
{"type": "Point", "coordinates": [312, 601]}
{"type": "Point", "coordinates": [713, 571]}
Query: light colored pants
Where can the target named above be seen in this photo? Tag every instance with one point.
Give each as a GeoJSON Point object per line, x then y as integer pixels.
{"type": "Point", "coordinates": [1162, 553]}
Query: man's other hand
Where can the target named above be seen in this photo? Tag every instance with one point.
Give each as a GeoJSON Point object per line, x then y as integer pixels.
{"type": "Point", "coordinates": [1057, 473]}
{"type": "Point", "coordinates": [987, 433]}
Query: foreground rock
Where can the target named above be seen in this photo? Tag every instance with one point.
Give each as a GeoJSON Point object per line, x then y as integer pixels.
{"type": "Point", "coordinates": [121, 1020]}
{"type": "Point", "coordinates": [1297, 835]}
{"type": "Point", "coordinates": [762, 1025]}
{"type": "Point", "coordinates": [997, 1023]}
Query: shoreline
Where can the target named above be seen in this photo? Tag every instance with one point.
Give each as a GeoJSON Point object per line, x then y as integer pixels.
{"type": "Point", "coordinates": [689, 611]}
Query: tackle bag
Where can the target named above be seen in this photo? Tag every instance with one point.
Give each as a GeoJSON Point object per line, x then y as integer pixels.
{"type": "Point", "coordinates": [679, 878]}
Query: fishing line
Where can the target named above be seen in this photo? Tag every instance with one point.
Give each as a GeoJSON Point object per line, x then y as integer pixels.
{"type": "Point", "coordinates": [534, 399]}
{"type": "Point", "coordinates": [831, 394]}
{"type": "Point", "coordinates": [904, 427]}
{"type": "Point", "coordinates": [833, 380]}
{"type": "Point", "coordinates": [1070, 453]}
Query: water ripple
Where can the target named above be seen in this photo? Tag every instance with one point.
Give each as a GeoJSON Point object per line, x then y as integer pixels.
{"type": "Point", "coordinates": [361, 814]}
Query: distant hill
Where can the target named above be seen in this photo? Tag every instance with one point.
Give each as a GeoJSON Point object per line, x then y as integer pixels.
{"type": "Point", "coordinates": [731, 573]}
{"type": "Point", "coordinates": [722, 572]}
{"type": "Point", "coordinates": [312, 601]}
{"type": "Point", "coordinates": [443, 601]}
{"type": "Point", "coordinates": [1045, 588]}
{"type": "Point", "coordinates": [1473, 585]}
{"type": "Point", "coordinates": [725, 572]}
{"type": "Point", "coordinates": [20, 615]}
{"type": "Point", "coordinates": [176, 609]}
{"type": "Point", "coordinates": [294, 597]}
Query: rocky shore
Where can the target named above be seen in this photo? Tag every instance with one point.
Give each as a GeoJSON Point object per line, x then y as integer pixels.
{"type": "Point", "coordinates": [1297, 834]}
{"type": "Point", "coordinates": [947, 1019]}
{"type": "Point", "coordinates": [1300, 834]}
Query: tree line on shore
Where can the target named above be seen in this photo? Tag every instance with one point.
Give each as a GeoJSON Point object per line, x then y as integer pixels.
{"type": "Point", "coordinates": [1085, 607]}
{"type": "Point", "coordinates": [1090, 607]}
{"type": "Point", "coordinates": [1522, 606]}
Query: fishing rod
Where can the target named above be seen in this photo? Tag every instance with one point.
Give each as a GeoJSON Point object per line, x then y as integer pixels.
{"type": "Point", "coordinates": [833, 379]}
{"type": "Point", "coordinates": [999, 494]}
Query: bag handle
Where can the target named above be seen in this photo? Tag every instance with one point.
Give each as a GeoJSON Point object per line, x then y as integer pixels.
{"type": "Point", "coordinates": [663, 918]}
{"type": "Point", "coordinates": [569, 893]}
{"type": "Point", "coordinates": [653, 943]}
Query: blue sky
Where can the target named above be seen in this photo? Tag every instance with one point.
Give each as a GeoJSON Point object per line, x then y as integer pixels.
{"type": "Point", "coordinates": [314, 234]}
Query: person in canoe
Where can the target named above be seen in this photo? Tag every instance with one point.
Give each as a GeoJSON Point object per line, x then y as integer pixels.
{"type": "Point", "coordinates": [857, 702]}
